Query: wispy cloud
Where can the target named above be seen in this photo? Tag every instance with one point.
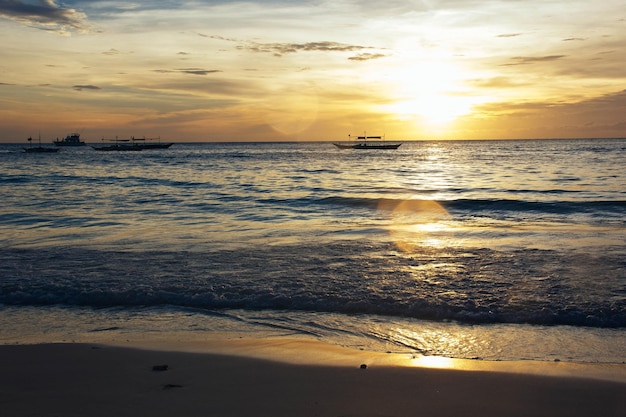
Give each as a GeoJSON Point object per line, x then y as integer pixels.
{"type": "Point", "coordinates": [45, 15]}
{"type": "Point", "coordinates": [525, 60]}
{"type": "Point", "coordinates": [192, 71]}
{"type": "Point", "coordinates": [366, 57]}
{"type": "Point", "coordinates": [497, 82]}
{"type": "Point", "coordinates": [595, 117]}
{"type": "Point", "coordinates": [218, 37]}
{"type": "Point", "coordinates": [279, 49]}
{"type": "Point", "coordinates": [85, 87]}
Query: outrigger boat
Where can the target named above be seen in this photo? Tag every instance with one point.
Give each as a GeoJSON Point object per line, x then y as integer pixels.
{"type": "Point", "coordinates": [119, 145]}
{"type": "Point", "coordinates": [368, 142]}
{"type": "Point", "coordinates": [72, 139]}
{"type": "Point", "coordinates": [38, 149]}
{"type": "Point", "coordinates": [144, 144]}
{"type": "Point", "coordinates": [132, 144]}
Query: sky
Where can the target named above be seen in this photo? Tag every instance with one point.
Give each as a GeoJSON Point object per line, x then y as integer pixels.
{"type": "Point", "coordinates": [272, 70]}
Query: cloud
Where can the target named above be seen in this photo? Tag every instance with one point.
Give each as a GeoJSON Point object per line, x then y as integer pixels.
{"type": "Point", "coordinates": [208, 87]}
{"type": "Point", "coordinates": [193, 71]}
{"type": "Point", "coordinates": [280, 49]}
{"type": "Point", "coordinates": [616, 100]}
{"type": "Point", "coordinates": [44, 15]}
{"type": "Point", "coordinates": [221, 38]}
{"type": "Point", "coordinates": [366, 57]}
{"type": "Point", "coordinates": [600, 116]}
{"type": "Point", "coordinates": [197, 71]}
{"type": "Point", "coordinates": [525, 60]}
{"type": "Point", "coordinates": [85, 87]}
{"type": "Point", "coordinates": [497, 82]}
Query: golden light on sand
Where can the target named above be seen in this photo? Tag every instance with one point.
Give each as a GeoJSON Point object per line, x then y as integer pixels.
{"type": "Point", "coordinates": [433, 362]}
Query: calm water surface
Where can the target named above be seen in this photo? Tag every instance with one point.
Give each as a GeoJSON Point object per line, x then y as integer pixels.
{"type": "Point", "coordinates": [498, 250]}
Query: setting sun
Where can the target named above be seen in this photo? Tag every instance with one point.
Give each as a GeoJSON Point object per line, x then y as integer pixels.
{"type": "Point", "coordinates": [434, 110]}
{"type": "Point", "coordinates": [429, 92]}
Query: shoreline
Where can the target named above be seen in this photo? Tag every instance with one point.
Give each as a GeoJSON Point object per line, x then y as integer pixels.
{"type": "Point", "coordinates": [291, 377]}
{"type": "Point", "coordinates": [303, 351]}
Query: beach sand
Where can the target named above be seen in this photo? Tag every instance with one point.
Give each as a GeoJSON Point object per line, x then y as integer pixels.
{"type": "Point", "coordinates": [291, 378]}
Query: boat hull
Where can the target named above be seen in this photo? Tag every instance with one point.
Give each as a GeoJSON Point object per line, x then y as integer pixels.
{"type": "Point", "coordinates": [61, 143]}
{"type": "Point", "coordinates": [116, 148]}
{"type": "Point", "coordinates": [40, 150]}
{"type": "Point", "coordinates": [368, 146]}
{"type": "Point", "coordinates": [133, 147]}
{"type": "Point", "coordinates": [155, 145]}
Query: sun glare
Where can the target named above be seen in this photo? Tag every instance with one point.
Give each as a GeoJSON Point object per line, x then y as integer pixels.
{"type": "Point", "coordinates": [431, 92]}
{"type": "Point", "coordinates": [433, 110]}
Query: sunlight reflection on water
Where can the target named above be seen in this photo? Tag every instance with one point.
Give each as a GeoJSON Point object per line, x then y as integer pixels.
{"type": "Point", "coordinates": [417, 223]}
{"type": "Point", "coordinates": [523, 232]}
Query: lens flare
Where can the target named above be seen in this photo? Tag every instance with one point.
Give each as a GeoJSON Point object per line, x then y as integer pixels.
{"type": "Point", "coordinates": [416, 223]}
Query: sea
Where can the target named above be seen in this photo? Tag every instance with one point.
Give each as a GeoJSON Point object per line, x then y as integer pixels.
{"type": "Point", "coordinates": [494, 250]}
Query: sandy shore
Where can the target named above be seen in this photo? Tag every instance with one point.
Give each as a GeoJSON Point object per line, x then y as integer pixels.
{"type": "Point", "coordinates": [311, 379]}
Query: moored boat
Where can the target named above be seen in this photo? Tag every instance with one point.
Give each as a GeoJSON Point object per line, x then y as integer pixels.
{"type": "Point", "coordinates": [132, 144]}
{"type": "Point", "coordinates": [368, 142]}
{"type": "Point", "coordinates": [38, 149]}
{"type": "Point", "coordinates": [119, 145]}
{"type": "Point", "coordinates": [144, 143]}
{"type": "Point", "coordinates": [73, 139]}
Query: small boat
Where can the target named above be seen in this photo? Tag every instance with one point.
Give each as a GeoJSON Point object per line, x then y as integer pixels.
{"type": "Point", "coordinates": [144, 144]}
{"type": "Point", "coordinates": [368, 142]}
{"type": "Point", "coordinates": [72, 139]}
{"type": "Point", "coordinates": [132, 144]}
{"type": "Point", "coordinates": [119, 145]}
{"type": "Point", "coordinates": [38, 149]}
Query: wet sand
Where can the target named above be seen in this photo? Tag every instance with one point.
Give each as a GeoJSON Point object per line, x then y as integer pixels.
{"type": "Point", "coordinates": [291, 378]}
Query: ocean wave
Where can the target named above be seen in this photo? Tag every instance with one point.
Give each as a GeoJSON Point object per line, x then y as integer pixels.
{"type": "Point", "coordinates": [606, 316]}
{"type": "Point", "coordinates": [469, 286]}
{"type": "Point", "coordinates": [477, 205]}
{"type": "Point", "coordinates": [259, 227]}
{"type": "Point", "coordinates": [15, 179]}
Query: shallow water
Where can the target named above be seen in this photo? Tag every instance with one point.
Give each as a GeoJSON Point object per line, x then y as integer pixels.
{"type": "Point", "coordinates": [498, 250]}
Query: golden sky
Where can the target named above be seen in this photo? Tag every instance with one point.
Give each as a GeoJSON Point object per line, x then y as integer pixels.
{"type": "Point", "coordinates": [312, 70]}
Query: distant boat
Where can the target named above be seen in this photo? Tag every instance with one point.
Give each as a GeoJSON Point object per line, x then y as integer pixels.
{"type": "Point", "coordinates": [144, 144]}
{"type": "Point", "coordinates": [132, 144]}
{"type": "Point", "coordinates": [38, 149]}
{"type": "Point", "coordinates": [368, 142]}
{"type": "Point", "coordinates": [119, 145]}
{"type": "Point", "coordinates": [72, 139]}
